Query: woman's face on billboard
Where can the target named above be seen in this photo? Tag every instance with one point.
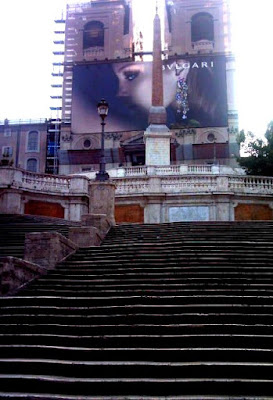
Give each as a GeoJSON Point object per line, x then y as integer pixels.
{"type": "Point", "coordinates": [135, 82]}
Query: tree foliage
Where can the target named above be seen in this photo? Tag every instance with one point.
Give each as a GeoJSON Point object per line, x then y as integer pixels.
{"type": "Point", "coordinates": [260, 152]}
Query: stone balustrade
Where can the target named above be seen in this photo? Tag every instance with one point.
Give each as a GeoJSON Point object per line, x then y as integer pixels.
{"type": "Point", "coordinates": [45, 182]}
{"type": "Point", "coordinates": [195, 184]}
{"type": "Point", "coordinates": [254, 184]}
{"type": "Point", "coordinates": [50, 184]}
{"type": "Point", "coordinates": [142, 179]}
{"type": "Point", "coordinates": [168, 170]}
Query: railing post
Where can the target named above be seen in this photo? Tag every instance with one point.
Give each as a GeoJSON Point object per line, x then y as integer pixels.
{"type": "Point", "coordinates": [222, 183]}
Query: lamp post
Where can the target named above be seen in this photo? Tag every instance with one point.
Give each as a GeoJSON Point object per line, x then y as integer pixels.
{"type": "Point", "coordinates": [103, 108]}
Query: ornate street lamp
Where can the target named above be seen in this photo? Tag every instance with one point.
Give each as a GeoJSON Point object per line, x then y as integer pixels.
{"type": "Point", "coordinates": [103, 108]}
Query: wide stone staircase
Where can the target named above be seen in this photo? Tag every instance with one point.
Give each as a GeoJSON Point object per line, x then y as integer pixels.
{"type": "Point", "coordinates": [172, 311]}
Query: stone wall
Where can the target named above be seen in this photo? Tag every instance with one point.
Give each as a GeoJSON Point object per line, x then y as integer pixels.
{"type": "Point", "coordinates": [47, 248]}
{"type": "Point", "coordinates": [15, 272]}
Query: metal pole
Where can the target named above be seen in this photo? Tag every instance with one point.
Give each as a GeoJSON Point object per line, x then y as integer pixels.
{"type": "Point", "coordinates": [102, 176]}
{"type": "Point", "coordinates": [102, 156]}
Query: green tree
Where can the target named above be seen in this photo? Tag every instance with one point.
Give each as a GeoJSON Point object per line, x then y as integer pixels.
{"type": "Point", "coordinates": [260, 152]}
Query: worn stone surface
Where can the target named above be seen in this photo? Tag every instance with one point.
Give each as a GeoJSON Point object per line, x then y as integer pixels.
{"type": "Point", "coordinates": [47, 248]}
{"type": "Point", "coordinates": [85, 236]}
{"type": "Point", "coordinates": [15, 272]}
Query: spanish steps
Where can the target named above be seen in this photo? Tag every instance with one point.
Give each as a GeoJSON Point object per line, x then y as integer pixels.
{"type": "Point", "coordinates": [170, 311]}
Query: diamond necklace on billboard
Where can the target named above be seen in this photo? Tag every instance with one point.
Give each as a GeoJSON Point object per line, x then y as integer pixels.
{"type": "Point", "coordinates": [194, 94]}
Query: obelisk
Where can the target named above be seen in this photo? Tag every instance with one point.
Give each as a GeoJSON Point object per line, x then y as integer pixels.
{"type": "Point", "coordinates": [157, 136]}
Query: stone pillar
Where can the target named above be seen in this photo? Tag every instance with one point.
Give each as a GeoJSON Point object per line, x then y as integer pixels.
{"type": "Point", "coordinates": [223, 209]}
{"type": "Point", "coordinates": [102, 199]}
{"type": "Point", "coordinates": [11, 202]}
{"type": "Point", "coordinates": [152, 214]}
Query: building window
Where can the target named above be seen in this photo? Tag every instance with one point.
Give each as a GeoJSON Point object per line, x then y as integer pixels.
{"type": "Point", "coordinates": [211, 137]}
{"type": "Point", "coordinates": [93, 34]}
{"type": "Point", "coordinates": [202, 27]}
{"type": "Point", "coordinates": [87, 143]}
{"type": "Point", "coordinates": [33, 141]}
{"type": "Point", "coordinates": [6, 151]}
{"type": "Point", "coordinates": [32, 165]}
{"type": "Point", "coordinates": [7, 132]}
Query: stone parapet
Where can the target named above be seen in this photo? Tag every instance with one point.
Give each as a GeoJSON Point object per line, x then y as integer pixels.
{"type": "Point", "coordinates": [85, 236]}
{"type": "Point", "coordinates": [47, 248]}
{"type": "Point", "coordinates": [98, 221]}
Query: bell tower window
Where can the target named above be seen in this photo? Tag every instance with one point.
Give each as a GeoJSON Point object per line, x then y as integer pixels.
{"type": "Point", "coordinates": [93, 35]}
{"type": "Point", "coordinates": [202, 27]}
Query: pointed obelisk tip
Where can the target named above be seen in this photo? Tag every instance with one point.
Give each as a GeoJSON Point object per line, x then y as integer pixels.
{"type": "Point", "coordinates": [157, 114]}
{"type": "Point", "coordinates": [156, 7]}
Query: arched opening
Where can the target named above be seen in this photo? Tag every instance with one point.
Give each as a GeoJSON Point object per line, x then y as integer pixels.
{"type": "Point", "coordinates": [33, 141]}
{"type": "Point", "coordinates": [32, 165]}
{"type": "Point", "coordinates": [202, 27]}
{"type": "Point", "coordinates": [93, 34]}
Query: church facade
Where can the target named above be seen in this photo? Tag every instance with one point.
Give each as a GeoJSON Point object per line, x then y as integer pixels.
{"type": "Point", "coordinates": [103, 57]}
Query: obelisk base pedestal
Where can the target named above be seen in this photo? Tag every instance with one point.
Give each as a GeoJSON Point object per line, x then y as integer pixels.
{"type": "Point", "coordinates": [157, 145]}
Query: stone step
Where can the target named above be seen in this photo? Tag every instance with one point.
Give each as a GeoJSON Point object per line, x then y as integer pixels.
{"type": "Point", "coordinates": [232, 341]}
{"type": "Point", "coordinates": [141, 318]}
{"type": "Point", "coordinates": [84, 330]}
{"type": "Point", "coordinates": [135, 369]}
{"type": "Point", "coordinates": [140, 308]}
{"type": "Point", "coordinates": [153, 290]}
{"type": "Point", "coordinates": [86, 279]}
{"type": "Point", "coordinates": [33, 302]}
{"type": "Point", "coordinates": [46, 396]}
{"type": "Point", "coordinates": [137, 386]}
{"type": "Point", "coordinates": [166, 354]}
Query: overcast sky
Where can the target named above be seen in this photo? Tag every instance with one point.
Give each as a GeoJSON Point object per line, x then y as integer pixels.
{"type": "Point", "coordinates": [26, 32]}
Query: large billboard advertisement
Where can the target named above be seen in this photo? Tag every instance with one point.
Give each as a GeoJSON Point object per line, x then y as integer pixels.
{"type": "Point", "coordinates": [194, 94]}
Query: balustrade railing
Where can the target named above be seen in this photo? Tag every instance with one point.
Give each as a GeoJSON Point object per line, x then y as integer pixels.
{"type": "Point", "coordinates": [199, 169]}
{"type": "Point", "coordinates": [46, 183]}
{"type": "Point", "coordinates": [167, 170]}
{"type": "Point", "coordinates": [141, 180]}
{"type": "Point", "coordinates": [189, 183]}
{"type": "Point", "coordinates": [135, 171]}
{"type": "Point", "coordinates": [130, 186]}
{"type": "Point", "coordinates": [253, 183]}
